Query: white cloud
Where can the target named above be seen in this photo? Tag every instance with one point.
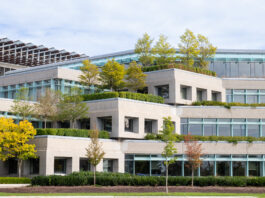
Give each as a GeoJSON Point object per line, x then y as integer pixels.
{"type": "Point", "coordinates": [101, 26]}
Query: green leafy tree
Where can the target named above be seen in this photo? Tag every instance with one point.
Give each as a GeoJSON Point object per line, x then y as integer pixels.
{"type": "Point", "coordinates": [47, 106]}
{"type": "Point", "coordinates": [188, 48]}
{"type": "Point", "coordinates": [112, 75]}
{"type": "Point", "coordinates": [71, 107]}
{"type": "Point", "coordinates": [135, 78]}
{"type": "Point", "coordinates": [14, 141]}
{"type": "Point", "coordinates": [206, 51]}
{"type": "Point", "coordinates": [193, 152]}
{"type": "Point", "coordinates": [21, 105]}
{"type": "Point", "coordinates": [143, 48]}
{"type": "Point", "coordinates": [169, 150]}
{"type": "Point", "coordinates": [94, 152]}
{"type": "Point", "coordinates": [163, 51]}
{"type": "Point", "coordinates": [90, 74]}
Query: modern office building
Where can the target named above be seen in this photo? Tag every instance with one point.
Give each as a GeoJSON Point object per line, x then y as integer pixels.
{"type": "Point", "coordinates": [240, 78]}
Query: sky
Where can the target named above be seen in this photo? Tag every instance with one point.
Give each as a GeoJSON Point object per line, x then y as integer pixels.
{"type": "Point", "coordinates": [95, 27]}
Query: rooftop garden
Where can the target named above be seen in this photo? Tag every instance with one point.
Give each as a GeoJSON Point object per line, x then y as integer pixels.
{"type": "Point", "coordinates": [225, 104]}
{"type": "Point", "coordinates": [179, 66]}
{"type": "Point", "coordinates": [128, 95]}
{"type": "Point", "coordinates": [71, 132]}
{"type": "Point", "coordinates": [180, 138]}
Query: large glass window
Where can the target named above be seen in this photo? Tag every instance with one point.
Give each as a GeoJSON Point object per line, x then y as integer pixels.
{"type": "Point", "coordinates": [34, 166]}
{"type": "Point", "coordinates": [131, 124]}
{"type": "Point", "coordinates": [239, 168]}
{"type": "Point", "coordinates": [106, 123]}
{"type": "Point", "coordinates": [163, 91]}
{"type": "Point", "coordinates": [188, 170]}
{"type": "Point", "coordinates": [84, 164]}
{"type": "Point", "coordinates": [142, 167]}
{"type": "Point", "coordinates": [254, 169]}
{"type": "Point", "coordinates": [12, 166]}
{"type": "Point", "coordinates": [175, 169]}
{"type": "Point", "coordinates": [108, 165]}
{"type": "Point", "coordinates": [207, 168]}
{"type": "Point", "coordinates": [60, 165]}
{"type": "Point", "coordinates": [158, 168]}
{"type": "Point", "coordinates": [150, 126]}
{"type": "Point", "coordinates": [185, 92]}
{"type": "Point", "coordinates": [209, 129]}
{"type": "Point", "coordinates": [239, 130]}
{"type": "Point", "coordinates": [222, 168]}
{"type": "Point", "coordinates": [195, 129]}
{"type": "Point", "coordinates": [253, 130]}
{"type": "Point", "coordinates": [224, 130]}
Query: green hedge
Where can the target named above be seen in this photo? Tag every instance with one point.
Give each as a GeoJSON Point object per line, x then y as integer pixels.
{"type": "Point", "coordinates": [179, 66]}
{"type": "Point", "coordinates": [225, 104]}
{"type": "Point", "coordinates": [14, 180]}
{"type": "Point", "coordinates": [71, 132]}
{"type": "Point", "coordinates": [230, 139]}
{"type": "Point", "coordinates": [128, 95]}
{"type": "Point", "coordinates": [118, 179]}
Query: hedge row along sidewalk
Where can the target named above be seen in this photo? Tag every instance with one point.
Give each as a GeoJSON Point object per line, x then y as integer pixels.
{"type": "Point", "coordinates": [229, 139]}
{"type": "Point", "coordinates": [178, 66]}
{"type": "Point", "coordinates": [226, 105]}
{"type": "Point", "coordinates": [71, 132]}
{"type": "Point", "coordinates": [14, 180]}
{"type": "Point", "coordinates": [118, 179]}
{"type": "Point", "coordinates": [128, 95]}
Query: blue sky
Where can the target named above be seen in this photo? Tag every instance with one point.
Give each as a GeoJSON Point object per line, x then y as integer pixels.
{"type": "Point", "coordinates": [96, 27]}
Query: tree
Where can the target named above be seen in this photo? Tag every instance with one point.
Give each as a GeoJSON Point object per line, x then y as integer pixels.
{"type": "Point", "coordinates": [163, 51]}
{"type": "Point", "coordinates": [71, 107]}
{"type": "Point", "coordinates": [22, 107]}
{"type": "Point", "coordinates": [14, 141]}
{"type": "Point", "coordinates": [94, 152]}
{"type": "Point", "coordinates": [206, 51]}
{"type": "Point", "coordinates": [169, 150]}
{"type": "Point", "coordinates": [135, 77]}
{"type": "Point", "coordinates": [112, 75]}
{"type": "Point", "coordinates": [193, 152]}
{"type": "Point", "coordinates": [188, 48]}
{"type": "Point", "coordinates": [143, 48]}
{"type": "Point", "coordinates": [90, 74]}
{"type": "Point", "coordinates": [46, 108]}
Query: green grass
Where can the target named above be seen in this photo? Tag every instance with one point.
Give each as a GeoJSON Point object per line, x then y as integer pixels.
{"type": "Point", "coordinates": [133, 194]}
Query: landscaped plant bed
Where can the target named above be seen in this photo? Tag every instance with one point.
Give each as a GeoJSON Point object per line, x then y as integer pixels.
{"type": "Point", "coordinates": [15, 180]}
{"type": "Point", "coordinates": [131, 189]}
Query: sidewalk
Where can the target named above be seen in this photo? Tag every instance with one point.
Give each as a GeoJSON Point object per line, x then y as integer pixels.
{"type": "Point", "coordinates": [13, 185]}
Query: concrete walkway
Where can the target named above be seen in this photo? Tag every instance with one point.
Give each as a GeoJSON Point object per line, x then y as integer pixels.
{"type": "Point", "coordinates": [129, 196]}
{"type": "Point", "coordinates": [13, 185]}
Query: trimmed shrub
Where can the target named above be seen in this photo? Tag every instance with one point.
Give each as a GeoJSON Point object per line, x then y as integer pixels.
{"type": "Point", "coordinates": [14, 180]}
{"type": "Point", "coordinates": [225, 104]}
{"type": "Point", "coordinates": [71, 132]}
{"type": "Point", "coordinates": [119, 179]}
{"type": "Point", "coordinates": [128, 95]}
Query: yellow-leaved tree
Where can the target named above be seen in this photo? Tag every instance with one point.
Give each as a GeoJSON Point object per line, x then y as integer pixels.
{"type": "Point", "coordinates": [14, 141]}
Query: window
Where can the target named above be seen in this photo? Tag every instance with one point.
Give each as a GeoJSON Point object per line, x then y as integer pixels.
{"type": "Point", "coordinates": [106, 123]}
{"type": "Point", "coordinates": [163, 91]}
{"type": "Point", "coordinates": [143, 91]}
{"type": "Point", "coordinates": [150, 126]}
{"type": "Point", "coordinates": [84, 164]}
{"type": "Point", "coordinates": [216, 96]}
{"type": "Point", "coordinates": [131, 124]}
{"type": "Point", "coordinates": [185, 92]}
{"type": "Point", "coordinates": [142, 167]}
{"type": "Point", "coordinates": [84, 123]}
{"type": "Point", "coordinates": [108, 165]}
{"type": "Point", "coordinates": [12, 166]}
{"type": "Point", "coordinates": [254, 169]}
{"type": "Point", "coordinates": [223, 168]}
{"type": "Point", "coordinates": [207, 168]}
{"type": "Point", "coordinates": [239, 168]}
{"type": "Point", "coordinates": [201, 94]}
{"type": "Point", "coordinates": [60, 165]}
{"type": "Point", "coordinates": [34, 166]}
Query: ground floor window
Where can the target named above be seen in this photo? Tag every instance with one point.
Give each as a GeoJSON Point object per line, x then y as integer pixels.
{"type": "Point", "coordinates": [108, 165]}
{"type": "Point", "coordinates": [60, 165]}
{"type": "Point", "coordinates": [12, 166]}
{"type": "Point", "coordinates": [34, 166]}
{"type": "Point", "coordinates": [84, 164]}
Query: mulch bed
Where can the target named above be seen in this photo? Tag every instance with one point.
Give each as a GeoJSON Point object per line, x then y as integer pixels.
{"type": "Point", "coordinates": [126, 189]}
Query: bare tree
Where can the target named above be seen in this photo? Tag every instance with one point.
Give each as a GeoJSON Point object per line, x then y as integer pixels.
{"type": "Point", "coordinates": [193, 152]}
{"type": "Point", "coordinates": [94, 152]}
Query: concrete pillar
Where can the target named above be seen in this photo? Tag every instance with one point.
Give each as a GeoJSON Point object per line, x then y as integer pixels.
{"type": "Point", "coordinates": [75, 163]}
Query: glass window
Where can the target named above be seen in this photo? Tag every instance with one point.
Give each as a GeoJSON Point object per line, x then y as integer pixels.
{"type": "Point", "coordinates": [142, 167]}
{"type": "Point", "coordinates": [129, 124]}
{"type": "Point", "coordinates": [261, 99]}
{"type": "Point", "coordinates": [59, 165]}
{"type": "Point", "coordinates": [108, 165]}
{"type": "Point", "coordinates": [209, 129]}
{"type": "Point", "coordinates": [163, 91]}
{"type": "Point", "coordinates": [149, 126]}
{"type": "Point", "coordinates": [222, 168]}
{"type": "Point", "coordinates": [258, 69]}
{"type": "Point", "coordinates": [34, 166]}
{"type": "Point", "coordinates": [224, 130]}
{"type": "Point", "coordinates": [84, 164]}
{"type": "Point", "coordinates": [239, 130]}
{"type": "Point", "coordinates": [244, 69]}
{"type": "Point", "coordinates": [239, 98]}
{"type": "Point", "coordinates": [254, 169]}
{"type": "Point", "coordinates": [175, 169]}
{"type": "Point", "coordinates": [234, 69]}
{"type": "Point", "coordinates": [158, 168]}
{"type": "Point", "coordinates": [106, 123]}
{"type": "Point", "coordinates": [252, 99]}
{"type": "Point", "coordinates": [253, 130]}
{"type": "Point", "coordinates": [129, 167]}
{"type": "Point", "coordinates": [185, 92]}
{"type": "Point", "coordinates": [263, 130]}
{"type": "Point", "coordinates": [184, 129]}
{"type": "Point", "coordinates": [195, 129]}
{"type": "Point", "coordinates": [187, 170]}
{"type": "Point", "coordinates": [12, 166]}
{"type": "Point", "coordinates": [207, 168]}
{"type": "Point", "coordinates": [239, 168]}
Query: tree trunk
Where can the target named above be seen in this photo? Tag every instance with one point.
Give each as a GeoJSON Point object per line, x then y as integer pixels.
{"type": "Point", "coordinates": [167, 177]}
{"type": "Point", "coordinates": [19, 167]}
{"type": "Point", "coordinates": [192, 175]}
{"type": "Point", "coordinates": [95, 175]}
{"type": "Point", "coordinates": [45, 123]}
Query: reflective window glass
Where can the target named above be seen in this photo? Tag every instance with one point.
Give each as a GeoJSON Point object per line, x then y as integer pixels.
{"type": "Point", "coordinates": [239, 168]}
{"type": "Point", "coordinates": [195, 129]}
{"type": "Point", "coordinates": [239, 98]}
{"type": "Point", "coordinates": [209, 129]}
{"type": "Point", "coordinates": [222, 168]}
{"type": "Point", "coordinates": [239, 130]}
{"type": "Point", "coordinates": [224, 130]}
{"type": "Point", "coordinates": [253, 130]}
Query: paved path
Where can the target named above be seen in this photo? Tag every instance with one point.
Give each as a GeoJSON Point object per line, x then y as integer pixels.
{"type": "Point", "coordinates": [129, 196]}
{"type": "Point", "coordinates": [13, 185]}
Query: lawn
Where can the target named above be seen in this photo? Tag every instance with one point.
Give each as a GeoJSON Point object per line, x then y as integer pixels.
{"type": "Point", "coordinates": [133, 194]}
